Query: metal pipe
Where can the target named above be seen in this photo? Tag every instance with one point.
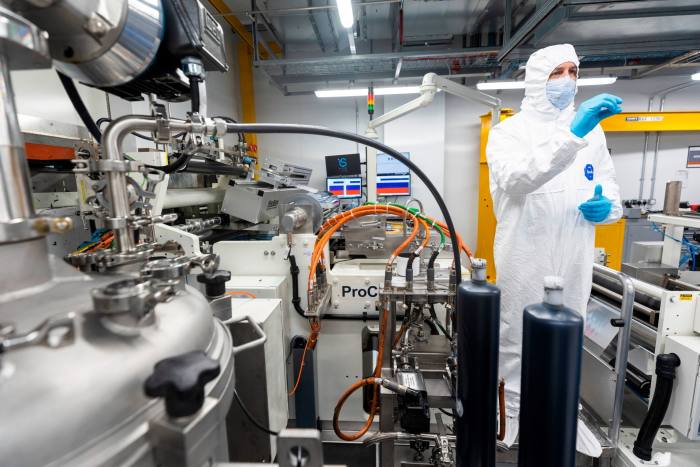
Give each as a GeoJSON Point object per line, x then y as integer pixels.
{"type": "Point", "coordinates": [645, 310]}
{"type": "Point", "coordinates": [644, 156]}
{"type": "Point", "coordinates": [671, 62]}
{"type": "Point", "coordinates": [623, 343]}
{"type": "Point", "coordinates": [177, 198]}
{"type": "Point", "coordinates": [15, 192]}
{"type": "Point", "coordinates": [112, 140]}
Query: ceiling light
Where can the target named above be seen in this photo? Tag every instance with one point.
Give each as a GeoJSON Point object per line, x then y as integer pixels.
{"type": "Point", "coordinates": [345, 13]}
{"type": "Point", "coordinates": [496, 85]}
{"type": "Point", "coordinates": [600, 81]}
{"type": "Point", "coordinates": [362, 92]}
{"type": "Point", "coordinates": [695, 77]}
{"type": "Point", "coordinates": [397, 90]}
{"type": "Point", "coordinates": [499, 85]}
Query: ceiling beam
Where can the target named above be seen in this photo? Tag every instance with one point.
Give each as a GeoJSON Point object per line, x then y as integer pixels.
{"type": "Point", "coordinates": [241, 30]}
{"type": "Point", "coordinates": [541, 13]}
{"type": "Point", "coordinates": [347, 59]}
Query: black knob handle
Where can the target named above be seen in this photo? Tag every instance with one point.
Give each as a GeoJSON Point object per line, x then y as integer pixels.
{"type": "Point", "coordinates": [215, 282]}
{"type": "Point", "coordinates": [617, 322]}
{"type": "Point", "coordinates": [180, 380]}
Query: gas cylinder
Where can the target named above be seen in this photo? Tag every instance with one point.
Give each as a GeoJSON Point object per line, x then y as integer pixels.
{"type": "Point", "coordinates": [551, 368]}
{"type": "Point", "coordinates": [478, 320]}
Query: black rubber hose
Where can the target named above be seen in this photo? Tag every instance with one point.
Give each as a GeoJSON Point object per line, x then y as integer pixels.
{"type": "Point", "coordinates": [666, 365]}
{"type": "Point", "coordinates": [194, 94]}
{"type": "Point", "coordinates": [433, 257]}
{"type": "Point", "coordinates": [252, 419]}
{"type": "Point", "coordinates": [433, 328]}
{"type": "Point", "coordinates": [79, 106]}
{"type": "Point", "coordinates": [433, 316]}
{"type": "Point", "coordinates": [296, 300]}
{"type": "Point", "coordinates": [176, 164]}
{"type": "Point", "coordinates": [207, 166]}
{"type": "Point", "coordinates": [322, 131]}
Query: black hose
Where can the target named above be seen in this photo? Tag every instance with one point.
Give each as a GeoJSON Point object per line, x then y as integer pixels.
{"type": "Point", "coordinates": [666, 365]}
{"type": "Point", "coordinates": [433, 316]}
{"type": "Point", "coordinates": [79, 106]}
{"type": "Point", "coordinates": [322, 131]}
{"type": "Point", "coordinates": [208, 166]}
{"type": "Point", "coordinates": [175, 165]}
{"type": "Point", "coordinates": [433, 257]}
{"type": "Point", "coordinates": [296, 300]}
{"type": "Point", "coordinates": [252, 419]}
{"type": "Point", "coordinates": [194, 94]}
{"type": "Point", "coordinates": [433, 328]}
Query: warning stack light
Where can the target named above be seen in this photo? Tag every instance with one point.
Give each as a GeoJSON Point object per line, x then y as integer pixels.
{"type": "Point", "coordinates": [370, 101]}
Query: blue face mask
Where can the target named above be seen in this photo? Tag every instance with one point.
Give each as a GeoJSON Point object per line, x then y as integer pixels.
{"type": "Point", "coordinates": [561, 92]}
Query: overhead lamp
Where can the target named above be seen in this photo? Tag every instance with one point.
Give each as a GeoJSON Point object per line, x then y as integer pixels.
{"type": "Point", "coordinates": [345, 13]}
{"type": "Point", "coordinates": [500, 85]}
{"type": "Point", "coordinates": [599, 81]}
{"type": "Point", "coordinates": [361, 92]}
{"type": "Point", "coordinates": [695, 77]}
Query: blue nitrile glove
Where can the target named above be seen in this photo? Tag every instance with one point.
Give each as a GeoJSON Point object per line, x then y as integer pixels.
{"type": "Point", "coordinates": [593, 111]}
{"type": "Point", "coordinates": [597, 208]}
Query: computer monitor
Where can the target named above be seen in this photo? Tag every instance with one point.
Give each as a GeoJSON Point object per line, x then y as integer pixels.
{"type": "Point", "coordinates": [389, 165]}
{"type": "Point", "coordinates": [394, 185]}
{"type": "Point", "coordinates": [343, 165]}
{"type": "Point", "coordinates": [345, 187]}
{"type": "Point", "coordinates": [393, 177]}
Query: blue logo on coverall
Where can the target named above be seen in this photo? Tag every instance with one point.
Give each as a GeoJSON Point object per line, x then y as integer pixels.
{"type": "Point", "coordinates": [588, 171]}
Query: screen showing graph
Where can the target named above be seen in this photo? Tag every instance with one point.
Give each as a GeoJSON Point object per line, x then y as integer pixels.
{"type": "Point", "coordinates": [345, 188]}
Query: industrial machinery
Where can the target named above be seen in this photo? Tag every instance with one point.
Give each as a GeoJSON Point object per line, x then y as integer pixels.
{"type": "Point", "coordinates": [134, 358]}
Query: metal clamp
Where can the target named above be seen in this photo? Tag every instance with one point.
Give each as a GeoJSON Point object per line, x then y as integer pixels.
{"type": "Point", "coordinates": [87, 166]}
{"type": "Point", "coordinates": [136, 222]}
{"type": "Point", "coordinates": [127, 305]}
{"type": "Point", "coordinates": [258, 330]}
{"type": "Point", "coordinates": [56, 331]}
{"type": "Point", "coordinates": [162, 130]}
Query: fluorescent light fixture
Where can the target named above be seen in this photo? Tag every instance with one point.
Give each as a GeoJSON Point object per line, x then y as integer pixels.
{"type": "Point", "coordinates": [496, 85]}
{"type": "Point", "coordinates": [499, 85]}
{"type": "Point", "coordinates": [695, 77]}
{"type": "Point", "coordinates": [362, 92]}
{"type": "Point", "coordinates": [345, 13]}
{"type": "Point", "coordinates": [600, 81]}
{"type": "Point", "coordinates": [397, 90]}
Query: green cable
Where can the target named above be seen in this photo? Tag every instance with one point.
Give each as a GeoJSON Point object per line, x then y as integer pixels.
{"type": "Point", "coordinates": [416, 212]}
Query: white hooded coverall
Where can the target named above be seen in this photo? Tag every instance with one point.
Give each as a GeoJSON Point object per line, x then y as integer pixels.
{"type": "Point", "coordinates": [540, 173]}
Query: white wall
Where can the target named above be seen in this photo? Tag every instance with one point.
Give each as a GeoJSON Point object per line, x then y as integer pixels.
{"type": "Point", "coordinates": [347, 114]}
{"type": "Point", "coordinates": [422, 134]}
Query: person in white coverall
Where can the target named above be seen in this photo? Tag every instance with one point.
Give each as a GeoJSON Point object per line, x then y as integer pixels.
{"type": "Point", "coordinates": [552, 181]}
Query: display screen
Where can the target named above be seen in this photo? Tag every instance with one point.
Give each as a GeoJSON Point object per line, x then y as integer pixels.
{"type": "Point", "coordinates": [343, 165]}
{"type": "Point", "coordinates": [393, 178]}
{"type": "Point", "coordinates": [345, 188]}
{"type": "Point", "coordinates": [394, 185]}
{"type": "Point", "coordinates": [389, 165]}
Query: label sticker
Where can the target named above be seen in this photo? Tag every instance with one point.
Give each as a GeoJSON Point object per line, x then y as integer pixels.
{"type": "Point", "coordinates": [686, 297]}
{"type": "Point", "coordinates": [644, 119]}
